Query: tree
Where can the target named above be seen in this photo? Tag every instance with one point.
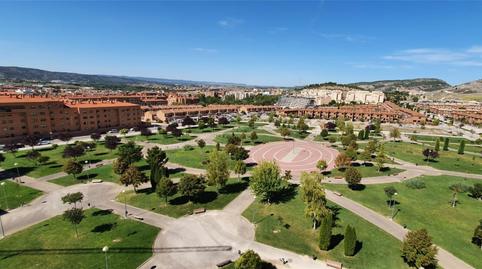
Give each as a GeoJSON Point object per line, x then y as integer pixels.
{"type": "Point", "coordinates": [477, 238]}
{"type": "Point", "coordinates": [361, 135]}
{"type": "Point", "coordinates": [461, 147]}
{"type": "Point", "coordinates": [366, 155]}
{"type": "Point", "coordinates": [340, 123]}
{"type": "Point", "coordinates": [211, 123]}
{"type": "Point", "coordinates": [145, 132]}
{"type": "Point", "coordinates": [2, 158]}
{"type": "Point", "coordinates": [217, 171]}
{"type": "Point", "coordinates": [351, 152]}
{"type": "Point", "coordinates": [381, 158]}
{"type": "Point", "coordinates": [223, 121]}
{"type": "Point", "coordinates": [95, 136]}
{"type": "Point", "coordinates": [248, 260]}
{"type": "Point", "coordinates": [201, 124]}
{"type": "Point", "coordinates": [277, 123]}
{"type": "Point", "coordinates": [321, 164]}
{"type": "Point", "coordinates": [165, 188]}
{"type": "Point", "coordinates": [342, 161]}
{"type": "Point", "coordinates": [390, 191]}
{"type": "Point", "coordinates": [123, 131]}
{"type": "Point", "coordinates": [330, 126]}
{"type": "Point", "coordinates": [271, 117]}
{"type": "Point", "coordinates": [313, 195]}
{"type": "Point", "coordinates": [476, 191]}
{"type": "Point", "coordinates": [41, 159]}
{"type": "Point", "coordinates": [111, 142]}
{"type": "Point", "coordinates": [132, 176]}
{"type": "Point", "coordinates": [301, 125]}
{"type": "Point", "coordinates": [191, 186]}
{"type": "Point", "coordinates": [352, 177]}
{"type": "Point", "coordinates": [457, 188]}
{"type": "Point", "coordinates": [73, 168]}
{"type": "Point", "coordinates": [324, 133]}
{"type": "Point", "coordinates": [346, 140]}
{"type": "Point", "coordinates": [266, 181]}
{"type": "Point", "coordinates": [31, 140]}
{"type": "Point", "coordinates": [75, 217]}
{"type": "Point", "coordinates": [73, 151]}
{"type": "Point", "coordinates": [11, 148]}
{"type": "Point", "coordinates": [33, 156]}
{"type": "Point", "coordinates": [437, 145]}
{"type": "Point", "coordinates": [73, 198]}
{"type": "Point", "coordinates": [234, 139]}
{"type": "Point", "coordinates": [119, 166]}
{"type": "Point", "coordinates": [284, 132]}
{"type": "Point", "coordinates": [429, 154]}
{"type": "Point", "coordinates": [418, 249]}
{"type": "Point", "coordinates": [446, 144]}
{"type": "Point", "coordinates": [325, 232]}
{"type": "Point", "coordinates": [187, 121]}
{"type": "Point", "coordinates": [238, 119]}
{"type": "Point", "coordinates": [371, 146]}
{"type": "Point", "coordinates": [201, 143]}
{"type": "Point", "coordinates": [253, 136]}
{"type": "Point", "coordinates": [251, 122]}
{"type": "Point", "coordinates": [239, 168]}
{"type": "Point", "coordinates": [366, 134]}
{"type": "Point", "coordinates": [350, 241]}
{"type": "Point", "coordinates": [395, 133]}
{"type": "Point", "coordinates": [156, 158]}
{"type": "Point", "coordinates": [130, 152]}
{"type": "Point", "coordinates": [176, 132]}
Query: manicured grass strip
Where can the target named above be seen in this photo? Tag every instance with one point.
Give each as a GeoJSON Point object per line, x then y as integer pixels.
{"type": "Point", "coordinates": [98, 229]}
{"type": "Point", "coordinates": [13, 195]}
{"type": "Point", "coordinates": [447, 160]}
{"type": "Point", "coordinates": [284, 225]}
{"type": "Point", "coordinates": [163, 139]}
{"type": "Point", "coordinates": [105, 173]}
{"type": "Point", "coordinates": [433, 138]}
{"type": "Point", "coordinates": [223, 139]}
{"type": "Point", "coordinates": [429, 208]}
{"type": "Point", "coordinates": [179, 205]}
{"type": "Point", "coordinates": [55, 163]}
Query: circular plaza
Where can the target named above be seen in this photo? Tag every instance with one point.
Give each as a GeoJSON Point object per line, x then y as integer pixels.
{"type": "Point", "coordinates": [296, 156]}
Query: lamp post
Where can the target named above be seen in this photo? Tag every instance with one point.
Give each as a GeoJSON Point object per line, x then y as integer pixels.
{"type": "Point", "coordinates": [393, 206]}
{"type": "Point", "coordinates": [18, 173]}
{"type": "Point", "coordinates": [88, 173]}
{"type": "Point", "coordinates": [105, 250]}
{"type": "Point", "coordinates": [125, 203]}
{"type": "Point", "coordinates": [5, 194]}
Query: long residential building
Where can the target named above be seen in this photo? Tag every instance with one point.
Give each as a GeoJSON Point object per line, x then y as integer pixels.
{"type": "Point", "coordinates": [21, 116]}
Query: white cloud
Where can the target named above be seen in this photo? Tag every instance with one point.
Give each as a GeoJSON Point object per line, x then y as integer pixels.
{"type": "Point", "coordinates": [205, 50]}
{"type": "Point", "coordinates": [230, 22]}
{"type": "Point", "coordinates": [346, 37]}
{"type": "Point", "coordinates": [468, 57]}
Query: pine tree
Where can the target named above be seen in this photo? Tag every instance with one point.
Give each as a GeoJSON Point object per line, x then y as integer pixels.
{"type": "Point", "coordinates": [461, 147]}
{"type": "Point", "coordinates": [367, 134]}
{"type": "Point", "coordinates": [361, 135]}
{"type": "Point", "coordinates": [325, 232]}
{"type": "Point", "coordinates": [350, 241]}
{"type": "Point", "coordinates": [446, 144]}
{"type": "Point", "coordinates": [437, 145]}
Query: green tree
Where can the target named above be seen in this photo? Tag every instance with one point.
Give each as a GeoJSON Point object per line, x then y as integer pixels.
{"type": "Point", "coordinates": [366, 134]}
{"type": "Point", "coordinates": [111, 142]}
{"type": "Point", "coordinates": [381, 157]}
{"type": "Point", "coordinates": [461, 147]}
{"type": "Point", "coordinates": [165, 188]}
{"type": "Point", "coordinates": [119, 166]}
{"type": "Point", "coordinates": [157, 159]}
{"type": "Point", "coordinates": [340, 124]}
{"type": "Point", "coordinates": [201, 143]}
{"type": "Point", "coordinates": [266, 181]}
{"type": "Point", "coordinates": [326, 227]}
{"type": "Point", "coordinates": [217, 170]}
{"type": "Point", "coordinates": [73, 198]}
{"type": "Point", "coordinates": [324, 133]}
{"type": "Point", "coordinates": [437, 145]}
{"type": "Point", "coordinates": [418, 249]}
{"type": "Point", "coordinates": [252, 122]}
{"type": "Point", "coordinates": [284, 132]}
{"type": "Point", "coordinates": [73, 168]}
{"type": "Point", "coordinates": [366, 156]}
{"type": "Point", "coordinates": [390, 191]}
{"type": "Point", "coordinates": [123, 131]}
{"type": "Point", "coordinates": [43, 159]}
{"type": "Point", "coordinates": [446, 144]}
{"type": "Point", "coordinates": [352, 177]}
{"type": "Point", "coordinates": [191, 186]}
{"type": "Point", "coordinates": [301, 125]}
{"type": "Point", "coordinates": [248, 260]}
{"type": "Point", "coordinates": [132, 176]}
{"type": "Point", "coordinates": [361, 135]}
{"type": "Point", "coordinates": [395, 133]}
{"type": "Point", "coordinates": [350, 241]}
{"type": "Point", "coordinates": [73, 151]}
{"type": "Point", "coordinates": [477, 237]}
{"type": "Point", "coordinates": [372, 146]}
{"type": "Point", "coordinates": [33, 156]}
{"type": "Point", "coordinates": [75, 217]}
{"type": "Point", "coordinates": [322, 165]}
{"type": "Point", "coordinates": [352, 153]}
{"type": "Point", "coordinates": [313, 195]}
{"type": "Point", "coordinates": [253, 136]}
{"type": "Point", "coordinates": [239, 168]}
{"type": "Point", "coordinates": [476, 191]}
{"type": "Point", "coordinates": [201, 124]}
{"type": "Point", "coordinates": [130, 152]}
{"type": "Point", "coordinates": [342, 161]}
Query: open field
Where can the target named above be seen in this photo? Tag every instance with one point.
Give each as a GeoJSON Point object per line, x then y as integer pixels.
{"type": "Point", "coordinates": [178, 205]}
{"type": "Point", "coordinates": [13, 195]}
{"type": "Point", "coordinates": [284, 225]}
{"type": "Point", "coordinates": [100, 228]}
{"type": "Point", "coordinates": [429, 208]}
{"type": "Point", "coordinates": [447, 160]}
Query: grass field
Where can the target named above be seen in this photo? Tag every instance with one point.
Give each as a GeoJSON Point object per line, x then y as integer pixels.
{"type": "Point", "coordinates": [451, 228]}
{"type": "Point", "coordinates": [13, 195]}
{"type": "Point", "coordinates": [192, 158]}
{"type": "Point", "coordinates": [366, 171]}
{"type": "Point", "coordinates": [98, 229]}
{"type": "Point", "coordinates": [455, 146]}
{"type": "Point", "coordinates": [178, 205]}
{"type": "Point", "coordinates": [448, 160]}
{"type": "Point", "coordinates": [105, 173]}
{"type": "Point", "coordinates": [55, 163]}
{"type": "Point", "coordinates": [196, 130]}
{"type": "Point", "coordinates": [434, 138]}
{"type": "Point", "coordinates": [223, 139]}
{"type": "Point", "coordinates": [285, 226]}
{"type": "Point", "coordinates": [163, 139]}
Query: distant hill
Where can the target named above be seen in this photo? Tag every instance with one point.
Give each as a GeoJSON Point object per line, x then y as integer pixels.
{"type": "Point", "coordinates": [467, 88]}
{"type": "Point", "coordinates": [470, 91]}
{"type": "Point", "coordinates": [14, 73]}
{"type": "Point", "coordinates": [420, 84]}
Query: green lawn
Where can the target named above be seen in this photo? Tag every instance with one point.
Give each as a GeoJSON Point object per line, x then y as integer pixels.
{"type": "Point", "coordinates": [179, 205]}
{"type": "Point", "coordinates": [433, 138]}
{"type": "Point", "coordinates": [297, 134]}
{"type": "Point", "coordinates": [105, 173]}
{"type": "Point", "coordinates": [197, 130]}
{"type": "Point", "coordinates": [13, 195]}
{"type": "Point", "coordinates": [55, 163]}
{"type": "Point", "coordinates": [163, 139]}
{"type": "Point", "coordinates": [366, 171]}
{"type": "Point", "coordinates": [448, 160]}
{"type": "Point", "coordinates": [192, 158]}
{"type": "Point", "coordinates": [451, 228]}
{"type": "Point", "coordinates": [455, 146]}
{"type": "Point", "coordinates": [285, 226]}
{"type": "Point", "coordinates": [223, 139]}
{"type": "Point", "coordinates": [248, 130]}
{"type": "Point", "coordinates": [130, 243]}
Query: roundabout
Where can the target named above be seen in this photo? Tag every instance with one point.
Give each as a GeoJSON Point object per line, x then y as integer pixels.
{"type": "Point", "coordinates": [296, 156]}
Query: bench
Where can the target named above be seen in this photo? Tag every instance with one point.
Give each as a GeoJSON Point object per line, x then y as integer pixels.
{"type": "Point", "coordinates": [223, 263]}
{"type": "Point", "coordinates": [199, 210]}
{"type": "Point", "coordinates": [137, 217]}
{"type": "Point", "coordinates": [334, 264]}
{"type": "Point", "coordinates": [337, 193]}
{"type": "Point", "coordinates": [96, 181]}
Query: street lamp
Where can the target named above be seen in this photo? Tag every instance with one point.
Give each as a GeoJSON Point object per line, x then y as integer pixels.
{"type": "Point", "coordinates": [18, 173]}
{"type": "Point", "coordinates": [5, 194]}
{"type": "Point", "coordinates": [88, 173]}
{"type": "Point", "coordinates": [105, 249]}
{"type": "Point", "coordinates": [125, 203]}
{"type": "Point", "coordinates": [393, 206]}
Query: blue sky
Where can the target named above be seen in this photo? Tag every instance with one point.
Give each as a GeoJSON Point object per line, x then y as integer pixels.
{"type": "Point", "coordinates": [256, 42]}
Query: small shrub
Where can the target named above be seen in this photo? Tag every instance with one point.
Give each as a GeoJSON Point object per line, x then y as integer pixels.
{"type": "Point", "coordinates": [54, 146]}
{"type": "Point", "coordinates": [415, 184]}
{"type": "Point", "coordinates": [188, 147]}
